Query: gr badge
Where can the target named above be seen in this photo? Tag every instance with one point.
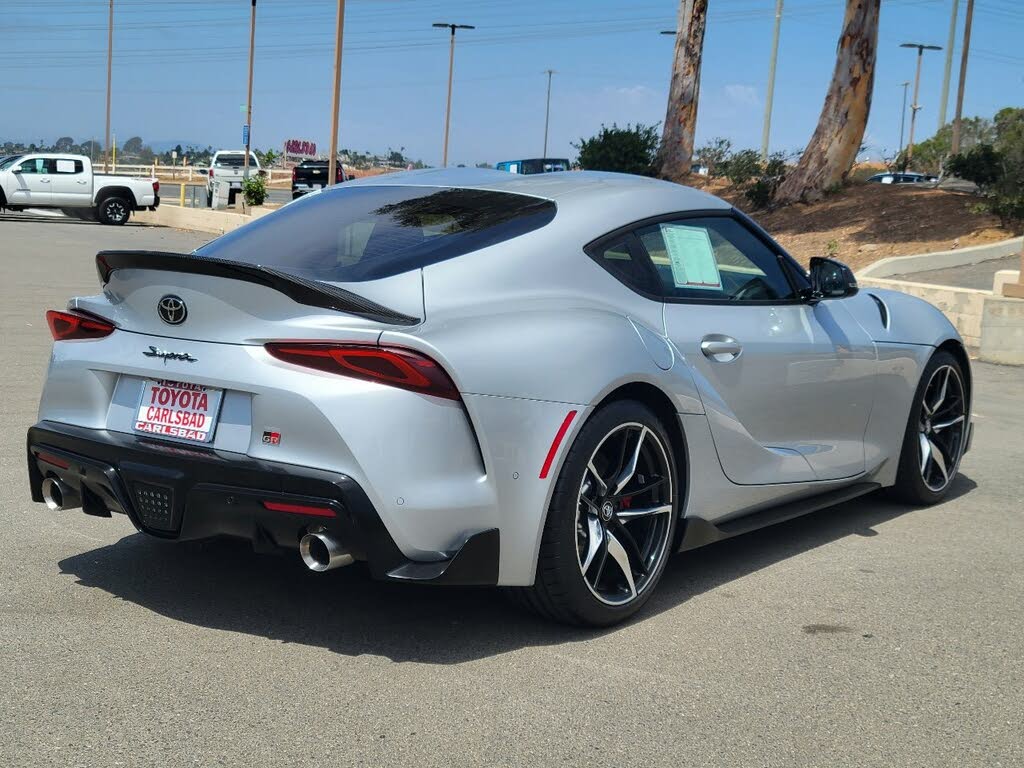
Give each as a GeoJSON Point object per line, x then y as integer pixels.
{"type": "Point", "coordinates": [271, 438]}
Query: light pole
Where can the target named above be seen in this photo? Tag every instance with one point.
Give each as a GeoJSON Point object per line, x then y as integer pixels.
{"type": "Point", "coordinates": [769, 96]}
{"type": "Point", "coordinates": [950, 42]}
{"type": "Point", "coordinates": [110, 62]}
{"type": "Point", "coordinates": [248, 101]}
{"type": "Point", "coordinates": [332, 163]}
{"type": "Point", "coordinates": [547, 112]}
{"type": "Point", "coordinates": [451, 69]}
{"type": "Point", "coordinates": [921, 48]}
{"type": "Point", "coordinates": [903, 114]}
{"type": "Point", "coordinates": [963, 76]}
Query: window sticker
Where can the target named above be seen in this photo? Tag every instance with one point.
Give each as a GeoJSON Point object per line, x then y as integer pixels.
{"type": "Point", "coordinates": [65, 166]}
{"type": "Point", "coordinates": [691, 257]}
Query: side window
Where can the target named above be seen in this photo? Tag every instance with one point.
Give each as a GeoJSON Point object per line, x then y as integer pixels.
{"type": "Point", "coordinates": [66, 166]}
{"type": "Point", "coordinates": [714, 259]}
{"type": "Point", "coordinates": [32, 166]}
{"type": "Point", "coordinates": [623, 259]}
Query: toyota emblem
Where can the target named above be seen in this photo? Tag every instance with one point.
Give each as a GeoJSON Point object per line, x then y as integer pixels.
{"type": "Point", "coordinates": [172, 310]}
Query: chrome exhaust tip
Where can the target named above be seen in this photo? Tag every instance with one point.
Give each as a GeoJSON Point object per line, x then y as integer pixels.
{"type": "Point", "coordinates": [58, 496]}
{"type": "Point", "coordinates": [322, 552]}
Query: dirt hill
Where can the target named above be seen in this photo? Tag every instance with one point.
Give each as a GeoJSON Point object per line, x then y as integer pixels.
{"type": "Point", "coordinates": [867, 222]}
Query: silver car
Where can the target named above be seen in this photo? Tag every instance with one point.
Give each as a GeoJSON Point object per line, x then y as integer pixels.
{"type": "Point", "coordinates": [548, 382]}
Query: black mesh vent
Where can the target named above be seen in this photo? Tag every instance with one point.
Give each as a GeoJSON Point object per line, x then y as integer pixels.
{"type": "Point", "coordinates": [155, 506]}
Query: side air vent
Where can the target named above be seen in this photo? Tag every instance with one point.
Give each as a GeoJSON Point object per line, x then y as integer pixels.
{"type": "Point", "coordinates": [883, 310]}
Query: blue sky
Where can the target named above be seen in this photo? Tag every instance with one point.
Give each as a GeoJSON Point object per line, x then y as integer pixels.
{"type": "Point", "coordinates": [180, 70]}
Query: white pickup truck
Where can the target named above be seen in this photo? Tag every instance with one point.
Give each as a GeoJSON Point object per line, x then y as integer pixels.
{"type": "Point", "coordinates": [67, 182]}
{"type": "Point", "coordinates": [228, 166]}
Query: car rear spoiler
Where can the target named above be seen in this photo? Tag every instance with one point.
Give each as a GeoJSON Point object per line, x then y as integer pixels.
{"type": "Point", "coordinates": [312, 293]}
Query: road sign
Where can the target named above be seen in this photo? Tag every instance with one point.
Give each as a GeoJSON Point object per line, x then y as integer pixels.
{"type": "Point", "coordinates": [245, 135]}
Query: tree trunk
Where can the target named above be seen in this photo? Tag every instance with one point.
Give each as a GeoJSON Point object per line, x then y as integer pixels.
{"type": "Point", "coordinates": [676, 153]}
{"type": "Point", "coordinates": [828, 157]}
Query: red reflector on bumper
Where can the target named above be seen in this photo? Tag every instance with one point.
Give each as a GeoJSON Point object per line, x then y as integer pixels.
{"type": "Point", "coordinates": [299, 509]}
{"type": "Point", "coordinates": [49, 458]}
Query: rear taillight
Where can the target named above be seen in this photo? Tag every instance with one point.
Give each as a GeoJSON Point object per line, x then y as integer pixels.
{"type": "Point", "coordinates": [294, 175]}
{"type": "Point", "coordinates": [339, 175]}
{"type": "Point", "coordinates": [394, 366]}
{"type": "Point", "coordinates": [156, 187]}
{"type": "Point", "coordinates": [67, 326]}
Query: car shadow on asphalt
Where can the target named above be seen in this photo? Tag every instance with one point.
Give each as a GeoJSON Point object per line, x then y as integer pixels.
{"type": "Point", "coordinates": [223, 585]}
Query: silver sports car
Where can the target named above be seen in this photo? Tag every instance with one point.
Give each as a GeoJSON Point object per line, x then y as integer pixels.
{"type": "Point", "coordinates": [549, 383]}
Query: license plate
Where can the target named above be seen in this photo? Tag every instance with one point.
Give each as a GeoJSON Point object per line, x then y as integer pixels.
{"type": "Point", "coordinates": [178, 410]}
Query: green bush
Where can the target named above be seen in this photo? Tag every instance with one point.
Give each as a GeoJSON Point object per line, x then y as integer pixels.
{"type": "Point", "coordinates": [998, 168]}
{"type": "Point", "coordinates": [255, 190]}
{"type": "Point", "coordinates": [741, 167]}
{"type": "Point", "coordinates": [714, 155]}
{"type": "Point", "coordinates": [626, 150]}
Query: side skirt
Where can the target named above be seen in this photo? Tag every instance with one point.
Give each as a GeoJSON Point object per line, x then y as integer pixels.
{"type": "Point", "coordinates": [699, 531]}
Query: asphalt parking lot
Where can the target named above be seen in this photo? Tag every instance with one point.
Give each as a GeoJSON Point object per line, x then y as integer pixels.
{"type": "Point", "coordinates": [870, 634]}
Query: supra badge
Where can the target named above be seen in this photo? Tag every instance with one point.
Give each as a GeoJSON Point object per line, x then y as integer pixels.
{"type": "Point", "coordinates": [164, 355]}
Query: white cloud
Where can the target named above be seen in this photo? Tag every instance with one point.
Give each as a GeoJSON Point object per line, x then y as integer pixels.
{"type": "Point", "coordinates": [742, 95]}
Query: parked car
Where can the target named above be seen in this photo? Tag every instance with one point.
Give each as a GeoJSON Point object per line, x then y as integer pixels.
{"type": "Point", "coordinates": [67, 182]}
{"type": "Point", "coordinates": [311, 175]}
{"type": "Point", "coordinates": [902, 178]}
{"type": "Point", "coordinates": [229, 166]}
{"type": "Point", "coordinates": [469, 377]}
{"type": "Point", "coordinates": [535, 165]}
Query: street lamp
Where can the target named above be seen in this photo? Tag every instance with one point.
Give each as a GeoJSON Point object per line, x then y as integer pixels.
{"type": "Point", "coordinates": [903, 114]}
{"type": "Point", "coordinates": [921, 48]}
{"type": "Point", "coordinates": [451, 68]}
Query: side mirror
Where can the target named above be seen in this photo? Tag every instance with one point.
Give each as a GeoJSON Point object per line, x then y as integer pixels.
{"type": "Point", "coordinates": [16, 170]}
{"type": "Point", "coordinates": [830, 279]}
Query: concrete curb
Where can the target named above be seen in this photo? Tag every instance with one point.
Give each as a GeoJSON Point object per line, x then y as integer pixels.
{"type": "Point", "coordinates": [903, 265]}
{"type": "Point", "coordinates": [199, 219]}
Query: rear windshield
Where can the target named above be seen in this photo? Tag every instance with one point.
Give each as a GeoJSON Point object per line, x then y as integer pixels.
{"type": "Point", "coordinates": [351, 234]}
{"type": "Point", "coordinates": [233, 161]}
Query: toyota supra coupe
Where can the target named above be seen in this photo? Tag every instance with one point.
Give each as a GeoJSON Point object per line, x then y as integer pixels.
{"type": "Point", "coordinates": [549, 383]}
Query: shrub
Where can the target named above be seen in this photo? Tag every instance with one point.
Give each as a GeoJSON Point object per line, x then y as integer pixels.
{"type": "Point", "coordinates": [626, 150]}
{"type": "Point", "coordinates": [999, 174]}
{"type": "Point", "coordinates": [714, 155]}
{"type": "Point", "coordinates": [742, 166]}
{"type": "Point", "coordinates": [255, 190]}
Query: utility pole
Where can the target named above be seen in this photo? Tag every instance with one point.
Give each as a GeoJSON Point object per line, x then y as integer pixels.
{"type": "Point", "coordinates": [963, 77]}
{"type": "Point", "coordinates": [771, 83]}
{"type": "Point", "coordinates": [921, 48]}
{"type": "Point", "coordinates": [110, 64]}
{"type": "Point", "coordinates": [332, 163]}
{"type": "Point", "coordinates": [248, 101]}
{"type": "Point", "coordinates": [451, 69]}
{"type": "Point", "coordinates": [903, 115]}
{"type": "Point", "coordinates": [547, 112]}
{"type": "Point", "coordinates": [950, 42]}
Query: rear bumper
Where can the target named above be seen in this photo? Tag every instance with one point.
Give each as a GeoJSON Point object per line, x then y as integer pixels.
{"type": "Point", "coordinates": [185, 493]}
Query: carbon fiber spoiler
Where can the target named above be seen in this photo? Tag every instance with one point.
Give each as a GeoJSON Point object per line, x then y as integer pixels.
{"type": "Point", "coordinates": [312, 293]}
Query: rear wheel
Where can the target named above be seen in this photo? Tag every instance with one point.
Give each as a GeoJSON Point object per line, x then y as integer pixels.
{"type": "Point", "coordinates": [611, 521]}
{"type": "Point", "coordinates": [936, 432]}
{"type": "Point", "coordinates": [114, 210]}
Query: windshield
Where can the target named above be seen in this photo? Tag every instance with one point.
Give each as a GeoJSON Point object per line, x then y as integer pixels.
{"type": "Point", "coordinates": [234, 161]}
{"type": "Point", "coordinates": [7, 162]}
{"type": "Point", "coordinates": [366, 233]}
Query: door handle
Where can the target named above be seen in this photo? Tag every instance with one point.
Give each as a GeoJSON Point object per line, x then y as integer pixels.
{"type": "Point", "coordinates": [82, 182]}
{"type": "Point", "coordinates": [719, 348]}
{"type": "Point", "coordinates": [44, 181]}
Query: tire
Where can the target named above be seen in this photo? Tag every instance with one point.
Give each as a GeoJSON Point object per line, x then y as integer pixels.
{"type": "Point", "coordinates": [581, 577]}
{"type": "Point", "coordinates": [114, 211]}
{"type": "Point", "coordinates": [936, 426]}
